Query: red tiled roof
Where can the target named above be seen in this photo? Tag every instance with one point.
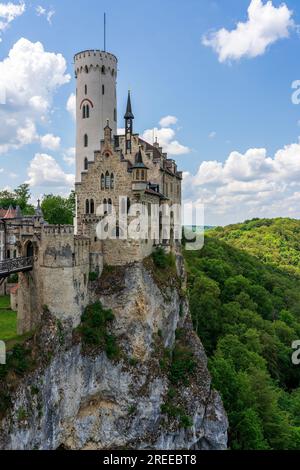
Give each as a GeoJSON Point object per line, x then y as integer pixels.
{"type": "Point", "coordinates": [8, 213]}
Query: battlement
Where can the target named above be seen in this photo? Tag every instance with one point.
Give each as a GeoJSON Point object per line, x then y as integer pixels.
{"type": "Point", "coordinates": [86, 61]}
{"type": "Point", "coordinates": [96, 53]}
{"type": "Point", "coordinates": [58, 230]}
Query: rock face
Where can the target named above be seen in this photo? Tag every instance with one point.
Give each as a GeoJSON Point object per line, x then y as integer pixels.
{"type": "Point", "coordinates": [86, 401]}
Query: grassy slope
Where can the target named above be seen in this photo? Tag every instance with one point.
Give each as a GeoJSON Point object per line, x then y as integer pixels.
{"type": "Point", "coordinates": [8, 320]}
{"type": "Point", "coordinates": [244, 289]}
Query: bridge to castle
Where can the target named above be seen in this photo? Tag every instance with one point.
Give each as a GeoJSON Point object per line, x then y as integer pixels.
{"type": "Point", "coordinates": [15, 265]}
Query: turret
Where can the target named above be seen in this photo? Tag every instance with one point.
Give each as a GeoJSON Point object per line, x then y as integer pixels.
{"type": "Point", "coordinates": [129, 117]}
{"type": "Point", "coordinates": [140, 170]}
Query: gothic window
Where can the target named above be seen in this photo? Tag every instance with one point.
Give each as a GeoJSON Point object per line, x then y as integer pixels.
{"type": "Point", "coordinates": [86, 140]}
{"type": "Point", "coordinates": [83, 112]}
{"type": "Point", "coordinates": [107, 180]}
{"type": "Point", "coordinates": [109, 206]}
{"type": "Point", "coordinates": [112, 181]}
{"type": "Point", "coordinates": [92, 206]}
{"type": "Point", "coordinates": [102, 181]}
{"type": "Point", "coordinates": [103, 89]}
{"type": "Point", "coordinates": [85, 89]}
{"type": "Point", "coordinates": [103, 69]}
{"type": "Point", "coordinates": [86, 69]}
{"type": "Point", "coordinates": [87, 111]}
{"type": "Point", "coordinates": [87, 206]}
{"type": "Point", "coordinates": [86, 163]}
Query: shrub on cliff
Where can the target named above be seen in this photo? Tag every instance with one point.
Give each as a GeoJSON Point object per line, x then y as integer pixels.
{"type": "Point", "coordinates": [94, 329]}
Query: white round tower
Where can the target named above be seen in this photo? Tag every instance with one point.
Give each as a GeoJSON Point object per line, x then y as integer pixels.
{"type": "Point", "coordinates": [96, 102]}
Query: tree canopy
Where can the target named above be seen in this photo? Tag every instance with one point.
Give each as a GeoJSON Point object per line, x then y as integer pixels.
{"type": "Point", "coordinates": [244, 289]}
{"type": "Point", "coordinates": [59, 210]}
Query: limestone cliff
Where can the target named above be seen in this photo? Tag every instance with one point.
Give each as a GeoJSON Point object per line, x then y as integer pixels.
{"type": "Point", "coordinates": [80, 399]}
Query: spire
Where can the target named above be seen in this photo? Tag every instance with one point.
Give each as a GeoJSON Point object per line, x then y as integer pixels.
{"type": "Point", "coordinates": [129, 114]}
{"type": "Point", "coordinates": [38, 210]}
{"type": "Point", "coordinates": [18, 212]}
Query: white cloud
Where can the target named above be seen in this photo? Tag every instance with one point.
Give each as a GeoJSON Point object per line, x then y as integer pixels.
{"type": "Point", "coordinates": [212, 135]}
{"type": "Point", "coordinates": [50, 142]}
{"type": "Point", "coordinates": [69, 156]}
{"type": "Point", "coordinates": [9, 12]}
{"type": "Point", "coordinates": [44, 170]}
{"type": "Point", "coordinates": [165, 136]}
{"type": "Point", "coordinates": [71, 105]}
{"type": "Point", "coordinates": [48, 14]}
{"type": "Point", "coordinates": [168, 121]}
{"type": "Point", "coordinates": [30, 77]}
{"type": "Point", "coordinates": [265, 25]}
{"type": "Point", "coordinates": [248, 185]}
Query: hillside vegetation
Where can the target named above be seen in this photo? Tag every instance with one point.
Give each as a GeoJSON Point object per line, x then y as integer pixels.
{"type": "Point", "coordinates": [244, 289]}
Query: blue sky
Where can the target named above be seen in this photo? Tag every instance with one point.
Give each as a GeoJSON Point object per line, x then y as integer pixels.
{"type": "Point", "coordinates": [236, 130]}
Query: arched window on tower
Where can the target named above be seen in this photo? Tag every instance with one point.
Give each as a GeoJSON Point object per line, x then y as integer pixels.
{"type": "Point", "coordinates": [107, 180]}
{"type": "Point", "coordinates": [86, 69]}
{"type": "Point", "coordinates": [86, 163]}
{"type": "Point", "coordinates": [85, 89]}
{"type": "Point", "coordinates": [87, 206]}
{"type": "Point", "coordinates": [112, 181]}
{"type": "Point", "coordinates": [109, 208]}
{"type": "Point", "coordinates": [86, 140]}
{"type": "Point", "coordinates": [102, 181]}
{"type": "Point", "coordinates": [103, 89]}
{"type": "Point", "coordinates": [83, 112]}
{"type": "Point", "coordinates": [92, 206]}
{"type": "Point", "coordinates": [87, 111]}
{"type": "Point", "coordinates": [103, 69]}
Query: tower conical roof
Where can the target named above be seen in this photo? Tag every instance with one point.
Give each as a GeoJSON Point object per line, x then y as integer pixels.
{"type": "Point", "coordinates": [129, 113]}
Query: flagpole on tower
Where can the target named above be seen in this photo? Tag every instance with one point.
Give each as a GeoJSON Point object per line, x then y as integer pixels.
{"type": "Point", "coordinates": [104, 32]}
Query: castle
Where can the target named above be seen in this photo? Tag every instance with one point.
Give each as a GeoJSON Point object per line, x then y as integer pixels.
{"type": "Point", "coordinates": [114, 173]}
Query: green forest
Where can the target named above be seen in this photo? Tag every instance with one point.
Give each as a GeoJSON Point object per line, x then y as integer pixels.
{"type": "Point", "coordinates": [244, 292]}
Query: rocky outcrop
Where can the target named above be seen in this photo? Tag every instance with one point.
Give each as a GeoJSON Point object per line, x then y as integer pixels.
{"type": "Point", "coordinates": [83, 400]}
